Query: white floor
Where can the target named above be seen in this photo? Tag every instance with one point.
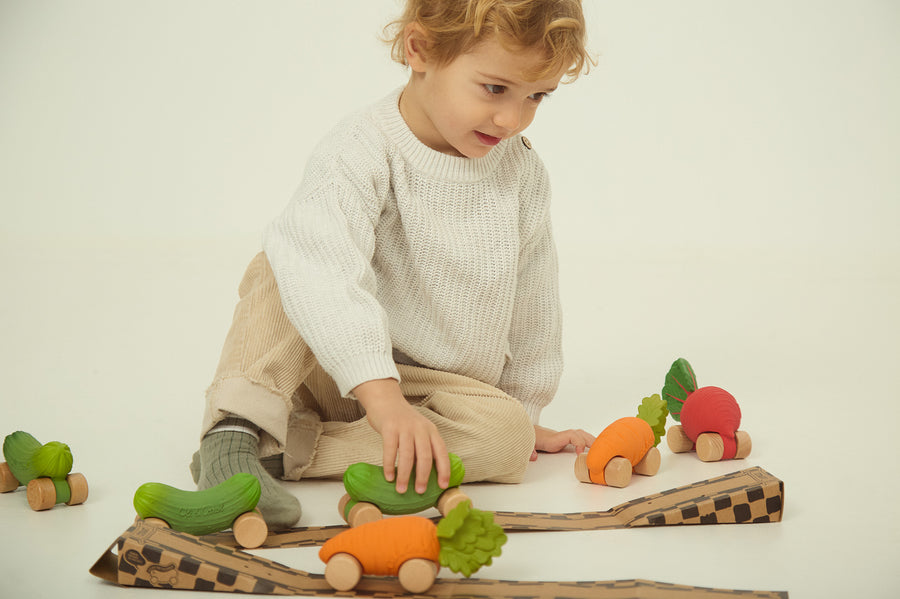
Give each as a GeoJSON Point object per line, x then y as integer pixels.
{"type": "Point", "coordinates": [807, 344]}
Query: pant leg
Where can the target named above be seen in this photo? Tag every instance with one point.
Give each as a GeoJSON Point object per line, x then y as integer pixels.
{"type": "Point", "coordinates": [268, 375]}
{"type": "Point", "coordinates": [264, 360]}
{"type": "Point", "coordinates": [489, 430]}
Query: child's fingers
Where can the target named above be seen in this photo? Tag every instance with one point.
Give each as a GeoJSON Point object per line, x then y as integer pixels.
{"type": "Point", "coordinates": [441, 461]}
{"type": "Point", "coordinates": [552, 441]}
{"type": "Point", "coordinates": [582, 440]}
{"type": "Point", "coordinates": [423, 464]}
{"type": "Point", "coordinates": [405, 459]}
{"type": "Point", "coordinates": [579, 444]}
{"type": "Point", "coordinates": [588, 438]}
{"type": "Point", "coordinates": [389, 457]}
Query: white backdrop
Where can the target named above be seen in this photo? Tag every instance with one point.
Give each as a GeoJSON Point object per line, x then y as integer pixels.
{"type": "Point", "coordinates": [749, 124]}
{"type": "Point", "coordinates": [725, 189]}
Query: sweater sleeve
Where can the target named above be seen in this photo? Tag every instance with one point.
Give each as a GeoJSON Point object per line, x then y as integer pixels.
{"type": "Point", "coordinates": [534, 365]}
{"type": "Point", "coordinates": [320, 249]}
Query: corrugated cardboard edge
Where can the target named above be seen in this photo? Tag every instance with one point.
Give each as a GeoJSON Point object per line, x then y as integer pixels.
{"type": "Point", "coordinates": [149, 556]}
{"type": "Point", "coordinates": [749, 496]}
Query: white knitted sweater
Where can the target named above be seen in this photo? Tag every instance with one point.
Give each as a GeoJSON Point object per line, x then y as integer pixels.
{"type": "Point", "coordinates": [390, 250]}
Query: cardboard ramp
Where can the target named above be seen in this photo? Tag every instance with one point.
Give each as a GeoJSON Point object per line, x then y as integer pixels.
{"type": "Point", "coordinates": [151, 556]}
{"type": "Point", "coordinates": [147, 555]}
{"type": "Point", "coordinates": [747, 496]}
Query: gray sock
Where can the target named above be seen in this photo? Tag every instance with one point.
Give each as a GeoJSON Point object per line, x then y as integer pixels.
{"type": "Point", "coordinates": [224, 453]}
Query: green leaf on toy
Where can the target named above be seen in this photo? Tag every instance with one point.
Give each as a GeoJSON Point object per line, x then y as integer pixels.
{"type": "Point", "coordinates": [680, 382]}
{"type": "Point", "coordinates": [53, 459]}
{"type": "Point", "coordinates": [469, 539]}
{"type": "Point", "coordinates": [653, 411]}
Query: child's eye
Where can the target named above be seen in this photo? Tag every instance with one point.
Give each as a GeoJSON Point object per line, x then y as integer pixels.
{"type": "Point", "coordinates": [494, 89]}
{"type": "Point", "coordinates": [539, 96]}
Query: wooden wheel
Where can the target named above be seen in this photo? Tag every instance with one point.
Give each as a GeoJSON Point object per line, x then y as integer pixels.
{"type": "Point", "coordinates": [449, 499]}
{"type": "Point", "coordinates": [416, 575]}
{"type": "Point", "coordinates": [41, 494]}
{"type": "Point", "coordinates": [744, 444]}
{"type": "Point", "coordinates": [156, 522]}
{"type": "Point", "coordinates": [363, 512]}
{"type": "Point", "coordinates": [710, 447]}
{"type": "Point", "coordinates": [343, 572]}
{"type": "Point", "coordinates": [8, 482]}
{"type": "Point", "coordinates": [342, 506]}
{"type": "Point", "coordinates": [78, 488]}
{"type": "Point", "coordinates": [677, 440]}
{"type": "Point", "coordinates": [250, 530]}
{"type": "Point", "coordinates": [617, 472]}
{"type": "Point", "coordinates": [649, 465]}
{"type": "Point", "coordinates": [581, 469]}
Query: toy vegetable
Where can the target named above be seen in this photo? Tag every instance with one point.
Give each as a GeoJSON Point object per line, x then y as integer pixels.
{"type": "Point", "coordinates": [230, 504]}
{"type": "Point", "coordinates": [625, 446]}
{"type": "Point", "coordinates": [370, 494]}
{"type": "Point", "coordinates": [413, 548]}
{"type": "Point", "coordinates": [44, 469]}
{"type": "Point", "coordinates": [709, 416]}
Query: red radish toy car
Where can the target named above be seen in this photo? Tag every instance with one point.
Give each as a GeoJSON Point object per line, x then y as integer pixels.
{"type": "Point", "coordinates": [709, 416]}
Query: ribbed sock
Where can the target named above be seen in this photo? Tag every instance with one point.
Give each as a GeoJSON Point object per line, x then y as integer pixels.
{"type": "Point", "coordinates": [231, 447]}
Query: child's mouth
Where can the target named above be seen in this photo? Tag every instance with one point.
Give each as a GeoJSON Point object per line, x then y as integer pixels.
{"type": "Point", "coordinates": [488, 140]}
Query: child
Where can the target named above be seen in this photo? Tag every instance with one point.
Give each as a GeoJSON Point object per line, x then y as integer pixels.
{"type": "Point", "coordinates": [406, 301]}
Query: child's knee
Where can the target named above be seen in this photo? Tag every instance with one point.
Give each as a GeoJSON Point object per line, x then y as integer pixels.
{"type": "Point", "coordinates": [516, 432]}
{"type": "Point", "coordinates": [506, 444]}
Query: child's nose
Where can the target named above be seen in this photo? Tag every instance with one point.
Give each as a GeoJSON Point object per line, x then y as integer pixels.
{"type": "Point", "coordinates": [508, 117]}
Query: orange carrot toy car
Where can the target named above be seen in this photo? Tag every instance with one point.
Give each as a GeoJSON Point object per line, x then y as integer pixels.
{"type": "Point", "coordinates": [413, 548]}
{"type": "Point", "coordinates": [625, 446]}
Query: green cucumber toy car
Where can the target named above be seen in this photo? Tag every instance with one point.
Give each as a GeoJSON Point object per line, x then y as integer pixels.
{"type": "Point", "coordinates": [370, 494]}
{"type": "Point", "coordinates": [230, 504]}
{"type": "Point", "coordinates": [43, 469]}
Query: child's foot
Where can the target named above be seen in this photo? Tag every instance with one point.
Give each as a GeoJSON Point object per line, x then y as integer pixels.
{"type": "Point", "coordinates": [225, 453]}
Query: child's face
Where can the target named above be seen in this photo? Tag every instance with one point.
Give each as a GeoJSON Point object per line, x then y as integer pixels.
{"type": "Point", "coordinates": [468, 106]}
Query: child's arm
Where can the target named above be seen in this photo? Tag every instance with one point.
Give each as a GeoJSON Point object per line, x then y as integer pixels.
{"type": "Point", "coordinates": [552, 441]}
{"type": "Point", "coordinates": [409, 437]}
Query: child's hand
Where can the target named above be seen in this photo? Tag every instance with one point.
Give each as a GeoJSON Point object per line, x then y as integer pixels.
{"type": "Point", "coordinates": [409, 437]}
{"type": "Point", "coordinates": [552, 441]}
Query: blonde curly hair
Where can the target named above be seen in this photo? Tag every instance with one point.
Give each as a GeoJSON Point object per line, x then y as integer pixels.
{"type": "Point", "coordinates": [454, 27]}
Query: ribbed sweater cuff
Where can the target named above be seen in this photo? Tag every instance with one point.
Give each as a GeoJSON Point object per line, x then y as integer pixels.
{"type": "Point", "coordinates": [534, 412]}
{"type": "Point", "coordinates": [361, 368]}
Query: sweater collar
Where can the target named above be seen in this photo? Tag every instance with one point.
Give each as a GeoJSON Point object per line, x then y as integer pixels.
{"type": "Point", "coordinates": [426, 160]}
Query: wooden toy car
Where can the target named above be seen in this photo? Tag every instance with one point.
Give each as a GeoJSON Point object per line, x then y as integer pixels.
{"type": "Point", "coordinates": [709, 416]}
{"type": "Point", "coordinates": [625, 446]}
{"type": "Point", "coordinates": [370, 495]}
{"type": "Point", "coordinates": [230, 504]}
{"type": "Point", "coordinates": [45, 470]}
{"type": "Point", "coordinates": [412, 548]}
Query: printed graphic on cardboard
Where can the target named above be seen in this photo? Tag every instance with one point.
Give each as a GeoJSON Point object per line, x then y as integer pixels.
{"type": "Point", "coordinates": [148, 556]}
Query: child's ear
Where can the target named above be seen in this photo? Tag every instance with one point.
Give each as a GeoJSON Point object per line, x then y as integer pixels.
{"type": "Point", "coordinates": [415, 46]}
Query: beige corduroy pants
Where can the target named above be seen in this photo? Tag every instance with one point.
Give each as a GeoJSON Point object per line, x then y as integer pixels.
{"type": "Point", "coordinates": [268, 375]}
